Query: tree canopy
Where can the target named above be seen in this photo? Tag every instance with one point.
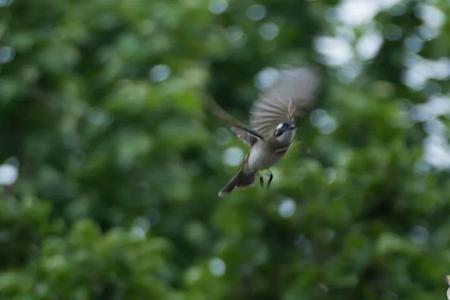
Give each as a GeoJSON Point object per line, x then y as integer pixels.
{"type": "Point", "coordinates": [110, 162]}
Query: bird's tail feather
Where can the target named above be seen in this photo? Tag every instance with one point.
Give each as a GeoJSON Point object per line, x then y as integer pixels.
{"type": "Point", "coordinates": [241, 179]}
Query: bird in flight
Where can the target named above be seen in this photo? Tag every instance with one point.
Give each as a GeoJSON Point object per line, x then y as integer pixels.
{"type": "Point", "coordinates": [272, 126]}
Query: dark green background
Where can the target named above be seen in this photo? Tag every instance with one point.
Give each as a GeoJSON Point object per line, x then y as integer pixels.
{"type": "Point", "coordinates": [118, 173]}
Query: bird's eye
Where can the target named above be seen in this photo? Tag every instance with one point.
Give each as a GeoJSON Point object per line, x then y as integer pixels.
{"type": "Point", "coordinates": [280, 126]}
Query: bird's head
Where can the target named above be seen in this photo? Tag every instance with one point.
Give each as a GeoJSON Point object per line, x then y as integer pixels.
{"type": "Point", "coordinates": [284, 132]}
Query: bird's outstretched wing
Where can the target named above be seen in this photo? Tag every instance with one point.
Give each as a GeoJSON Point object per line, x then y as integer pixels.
{"type": "Point", "coordinates": [294, 90]}
{"type": "Point", "coordinates": [247, 135]}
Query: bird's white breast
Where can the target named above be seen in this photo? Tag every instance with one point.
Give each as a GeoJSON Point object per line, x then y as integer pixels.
{"type": "Point", "coordinates": [260, 157]}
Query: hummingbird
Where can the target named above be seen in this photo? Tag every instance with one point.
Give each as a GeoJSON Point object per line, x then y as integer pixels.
{"type": "Point", "coordinates": [272, 124]}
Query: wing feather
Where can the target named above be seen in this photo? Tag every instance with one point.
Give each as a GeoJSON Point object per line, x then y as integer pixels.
{"type": "Point", "coordinates": [247, 135]}
{"type": "Point", "coordinates": [295, 89]}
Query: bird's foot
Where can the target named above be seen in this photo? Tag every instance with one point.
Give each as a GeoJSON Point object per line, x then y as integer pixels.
{"type": "Point", "coordinates": [261, 181]}
{"type": "Point", "coordinates": [270, 179]}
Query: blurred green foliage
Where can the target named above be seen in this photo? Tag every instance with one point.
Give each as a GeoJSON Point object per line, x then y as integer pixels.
{"type": "Point", "coordinates": [119, 162]}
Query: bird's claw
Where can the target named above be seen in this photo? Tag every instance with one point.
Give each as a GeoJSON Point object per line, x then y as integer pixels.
{"type": "Point", "coordinates": [270, 179]}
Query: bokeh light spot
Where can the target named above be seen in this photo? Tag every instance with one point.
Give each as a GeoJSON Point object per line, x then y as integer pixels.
{"type": "Point", "coordinates": [369, 45]}
{"type": "Point", "coordinates": [268, 31]}
{"type": "Point", "coordinates": [419, 235]}
{"type": "Point", "coordinates": [6, 54]}
{"type": "Point", "coordinates": [217, 7]}
{"type": "Point", "coordinates": [334, 50]}
{"type": "Point", "coordinates": [236, 36]}
{"type": "Point", "coordinates": [217, 266]}
{"type": "Point", "coordinates": [256, 12]}
{"type": "Point", "coordinates": [267, 77]}
{"type": "Point", "coordinates": [287, 208]}
{"type": "Point", "coordinates": [8, 174]}
{"type": "Point", "coordinates": [5, 2]}
{"type": "Point", "coordinates": [323, 121]}
{"type": "Point", "coordinates": [159, 73]}
{"type": "Point", "coordinates": [233, 156]}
